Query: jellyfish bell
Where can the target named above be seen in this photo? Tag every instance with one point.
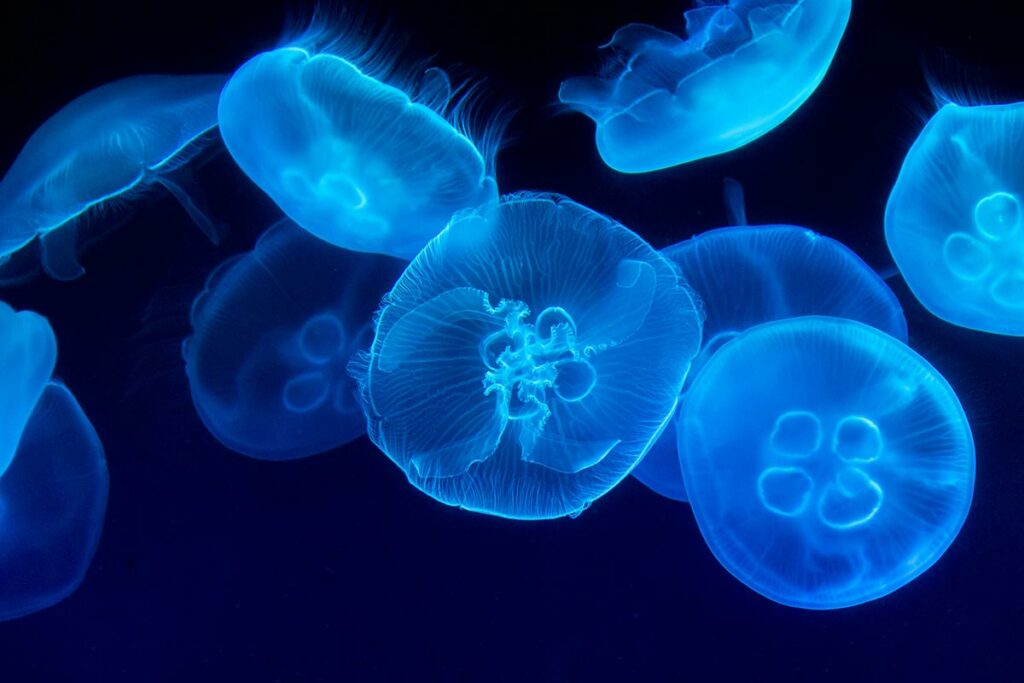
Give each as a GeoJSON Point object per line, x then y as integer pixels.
{"type": "Point", "coordinates": [827, 464]}
{"type": "Point", "coordinates": [743, 68]}
{"type": "Point", "coordinates": [106, 147]}
{"type": "Point", "coordinates": [526, 358]}
{"type": "Point", "coordinates": [273, 332]}
{"type": "Point", "coordinates": [748, 275]}
{"type": "Point", "coordinates": [954, 222]}
{"type": "Point", "coordinates": [361, 158]}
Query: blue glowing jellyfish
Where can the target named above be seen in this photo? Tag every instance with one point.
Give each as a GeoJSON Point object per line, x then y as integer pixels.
{"type": "Point", "coordinates": [274, 330]}
{"type": "Point", "coordinates": [746, 276]}
{"type": "Point", "coordinates": [954, 221]}
{"type": "Point", "coordinates": [526, 358]}
{"type": "Point", "coordinates": [744, 68]}
{"type": "Point", "coordinates": [53, 475]}
{"type": "Point", "coordinates": [351, 158]}
{"type": "Point", "coordinates": [827, 463]}
{"type": "Point", "coordinates": [106, 146]}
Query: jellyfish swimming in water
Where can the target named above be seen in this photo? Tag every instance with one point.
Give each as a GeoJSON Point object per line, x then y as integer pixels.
{"type": "Point", "coordinates": [827, 463]}
{"type": "Point", "coordinates": [53, 475]}
{"type": "Point", "coordinates": [954, 221]}
{"type": "Point", "coordinates": [748, 275]}
{"type": "Point", "coordinates": [743, 68]}
{"type": "Point", "coordinates": [361, 158]}
{"type": "Point", "coordinates": [527, 358]}
{"type": "Point", "coordinates": [273, 332]}
{"type": "Point", "coordinates": [104, 148]}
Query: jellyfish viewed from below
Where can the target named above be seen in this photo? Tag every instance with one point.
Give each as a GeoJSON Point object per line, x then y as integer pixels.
{"type": "Point", "coordinates": [827, 464]}
{"type": "Point", "coordinates": [273, 333]}
{"type": "Point", "coordinates": [743, 68]}
{"type": "Point", "coordinates": [105, 147]}
{"type": "Point", "coordinates": [748, 275]}
{"type": "Point", "coordinates": [954, 221]}
{"type": "Point", "coordinates": [526, 358]}
{"type": "Point", "coordinates": [353, 159]}
{"type": "Point", "coordinates": [53, 484]}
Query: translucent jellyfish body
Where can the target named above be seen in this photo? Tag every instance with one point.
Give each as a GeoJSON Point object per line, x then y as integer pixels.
{"type": "Point", "coordinates": [527, 358]}
{"type": "Point", "coordinates": [107, 145]}
{"type": "Point", "coordinates": [954, 221]}
{"type": "Point", "coordinates": [53, 475]}
{"type": "Point", "coordinates": [750, 275]}
{"type": "Point", "coordinates": [351, 159]}
{"type": "Point", "coordinates": [827, 463]}
{"type": "Point", "coordinates": [743, 68]}
{"type": "Point", "coordinates": [273, 333]}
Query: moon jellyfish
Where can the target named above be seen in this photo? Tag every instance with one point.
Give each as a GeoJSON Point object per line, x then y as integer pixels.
{"type": "Point", "coordinates": [827, 463]}
{"type": "Point", "coordinates": [746, 276]}
{"type": "Point", "coordinates": [527, 358]}
{"type": "Point", "coordinates": [954, 219]}
{"type": "Point", "coordinates": [351, 158]}
{"type": "Point", "coordinates": [109, 145]}
{"type": "Point", "coordinates": [743, 68]}
{"type": "Point", "coordinates": [53, 475]}
{"type": "Point", "coordinates": [273, 333]}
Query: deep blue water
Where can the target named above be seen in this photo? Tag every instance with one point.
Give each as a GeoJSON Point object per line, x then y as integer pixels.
{"type": "Point", "coordinates": [216, 567]}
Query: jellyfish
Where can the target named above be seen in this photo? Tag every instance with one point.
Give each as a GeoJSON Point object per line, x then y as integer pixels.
{"type": "Point", "coordinates": [954, 219]}
{"type": "Point", "coordinates": [353, 158]}
{"type": "Point", "coordinates": [744, 67]}
{"type": "Point", "coordinates": [827, 463]}
{"type": "Point", "coordinates": [526, 358]}
{"type": "Point", "coordinates": [105, 147]}
{"type": "Point", "coordinates": [748, 275]}
{"type": "Point", "coordinates": [273, 332]}
{"type": "Point", "coordinates": [53, 475]}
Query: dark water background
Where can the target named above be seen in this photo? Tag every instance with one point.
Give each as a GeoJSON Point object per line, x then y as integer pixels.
{"type": "Point", "coordinates": [215, 567]}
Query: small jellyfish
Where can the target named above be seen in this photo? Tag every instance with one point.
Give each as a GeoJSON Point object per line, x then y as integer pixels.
{"type": "Point", "coordinates": [827, 464]}
{"type": "Point", "coordinates": [954, 221]}
{"type": "Point", "coordinates": [273, 332]}
{"type": "Point", "coordinates": [109, 145]}
{"type": "Point", "coordinates": [53, 475]}
{"type": "Point", "coordinates": [351, 158]}
{"type": "Point", "coordinates": [748, 275]}
{"type": "Point", "coordinates": [526, 358]}
{"type": "Point", "coordinates": [744, 67]}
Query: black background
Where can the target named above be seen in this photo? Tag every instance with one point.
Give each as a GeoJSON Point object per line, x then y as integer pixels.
{"type": "Point", "coordinates": [216, 567]}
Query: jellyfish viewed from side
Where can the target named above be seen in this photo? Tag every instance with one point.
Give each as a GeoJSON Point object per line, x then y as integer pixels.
{"type": "Point", "coordinates": [748, 275]}
{"type": "Point", "coordinates": [53, 475]}
{"type": "Point", "coordinates": [273, 333]}
{"type": "Point", "coordinates": [367, 164]}
{"type": "Point", "coordinates": [954, 221]}
{"type": "Point", "coordinates": [104, 148]}
{"type": "Point", "coordinates": [743, 68]}
{"type": "Point", "coordinates": [527, 358]}
{"type": "Point", "coordinates": [827, 464]}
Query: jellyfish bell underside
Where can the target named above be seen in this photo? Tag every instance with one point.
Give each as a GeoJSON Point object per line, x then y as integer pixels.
{"type": "Point", "coordinates": [743, 68]}
{"type": "Point", "coordinates": [827, 464]}
{"type": "Point", "coordinates": [351, 159]}
{"type": "Point", "coordinates": [106, 146]}
{"type": "Point", "coordinates": [526, 382]}
{"type": "Point", "coordinates": [273, 333]}
{"type": "Point", "coordinates": [954, 221]}
{"type": "Point", "coordinates": [748, 275]}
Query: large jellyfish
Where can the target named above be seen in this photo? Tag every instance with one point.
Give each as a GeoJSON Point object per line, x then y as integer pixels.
{"type": "Point", "coordinates": [746, 276]}
{"type": "Point", "coordinates": [353, 159]}
{"type": "Point", "coordinates": [744, 67]}
{"type": "Point", "coordinates": [527, 358]}
{"type": "Point", "coordinates": [106, 146]}
{"type": "Point", "coordinates": [827, 463]}
{"type": "Point", "coordinates": [274, 330]}
{"type": "Point", "coordinates": [954, 221]}
{"type": "Point", "coordinates": [53, 475]}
